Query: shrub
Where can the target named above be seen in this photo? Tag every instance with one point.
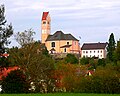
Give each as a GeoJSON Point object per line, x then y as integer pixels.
{"type": "Point", "coordinates": [84, 60]}
{"type": "Point", "coordinates": [101, 62]}
{"type": "Point", "coordinates": [15, 82]}
{"type": "Point", "coordinates": [70, 58]}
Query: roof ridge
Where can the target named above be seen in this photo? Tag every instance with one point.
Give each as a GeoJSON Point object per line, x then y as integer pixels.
{"type": "Point", "coordinates": [87, 46]}
{"type": "Point", "coordinates": [59, 35]}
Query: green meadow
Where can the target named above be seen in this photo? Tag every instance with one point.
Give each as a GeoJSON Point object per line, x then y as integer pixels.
{"type": "Point", "coordinates": [61, 94]}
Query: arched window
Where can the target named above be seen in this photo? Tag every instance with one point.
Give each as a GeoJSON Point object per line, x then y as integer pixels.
{"type": "Point", "coordinates": [53, 44]}
{"type": "Point", "coordinates": [65, 50]}
{"type": "Point", "coordinates": [44, 22]}
{"type": "Point", "coordinates": [67, 43]}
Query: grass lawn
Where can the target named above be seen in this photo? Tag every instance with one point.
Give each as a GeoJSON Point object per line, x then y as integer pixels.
{"type": "Point", "coordinates": [61, 94]}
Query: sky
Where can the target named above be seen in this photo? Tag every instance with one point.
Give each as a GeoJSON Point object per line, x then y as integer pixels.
{"type": "Point", "coordinates": [90, 21]}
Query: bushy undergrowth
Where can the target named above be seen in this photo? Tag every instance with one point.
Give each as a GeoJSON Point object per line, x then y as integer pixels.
{"type": "Point", "coordinates": [102, 81]}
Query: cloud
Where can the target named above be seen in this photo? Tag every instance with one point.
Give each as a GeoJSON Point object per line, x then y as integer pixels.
{"type": "Point", "coordinates": [80, 17]}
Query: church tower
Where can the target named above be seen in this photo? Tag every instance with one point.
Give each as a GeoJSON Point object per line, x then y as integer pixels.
{"type": "Point", "coordinates": [45, 26]}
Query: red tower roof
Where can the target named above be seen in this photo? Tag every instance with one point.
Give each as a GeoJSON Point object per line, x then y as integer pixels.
{"type": "Point", "coordinates": [44, 16]}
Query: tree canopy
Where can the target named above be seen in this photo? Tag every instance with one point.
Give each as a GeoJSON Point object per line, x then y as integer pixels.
{"type": "Point", "coordinates": [15, 82]}
{"type": "Point", "coordinates": [25, 37]}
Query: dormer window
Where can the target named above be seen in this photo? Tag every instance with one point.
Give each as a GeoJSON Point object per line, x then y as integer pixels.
{"type": "Point", "coordinates": [53, 44]}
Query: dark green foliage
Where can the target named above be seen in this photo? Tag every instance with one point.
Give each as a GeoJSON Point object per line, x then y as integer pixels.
{"type": "Point", "coordinates": [5, 31]}
{"type": "Point", "coordinates": [15, 82]}
{"type": "Point", "coordinates": [84, 60]}
{"type": "Point", "coordinates": [93, 63]}
{"type": "Point", "coordinates": [70, 58]}
{"type": "Point", "coordinates": [101, 62]}
{"type": "Point", "coordinates": [43, 48]}
{"type": "Point", "coordinates": [4, 61]}
{"type": "Point", "coordinates": [118, 51]}
{"type": "Point", "coordinates": [111, 47]}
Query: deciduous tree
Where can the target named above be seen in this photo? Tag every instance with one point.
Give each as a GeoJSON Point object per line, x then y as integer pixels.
{"type": "Point", "coordinates": [33, 61]}
{"type": "Point", "coordinates": [25, 37]}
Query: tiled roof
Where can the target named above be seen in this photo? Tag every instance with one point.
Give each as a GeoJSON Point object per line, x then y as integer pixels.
{"type": "Point", "coordinates": [5, 55]}
{"type": "Point", "coordinates": [89, 46]}
{"type": "Point", "coordinates": [59, 35]}
{"type": "Point", "coordinates": [44, 16]}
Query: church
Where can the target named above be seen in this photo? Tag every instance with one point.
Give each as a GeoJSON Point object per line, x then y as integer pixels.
{"type": "Point", "coordinates": [59, 42]}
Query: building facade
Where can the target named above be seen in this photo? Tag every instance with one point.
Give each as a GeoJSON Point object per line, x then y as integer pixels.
{"type": "Point", "coordinates": [94, 50]}
{"type": "Point", "coordinates": [58, 42]}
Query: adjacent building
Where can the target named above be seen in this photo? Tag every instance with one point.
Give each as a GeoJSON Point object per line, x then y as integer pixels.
{"type": "Point", "coordinates": [58, 42]}
{"type": "Point", "coordinates": [94, 50]}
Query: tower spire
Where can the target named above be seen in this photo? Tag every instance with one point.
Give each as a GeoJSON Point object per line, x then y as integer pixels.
{"type": "Point", "coordinates": [45, 26]}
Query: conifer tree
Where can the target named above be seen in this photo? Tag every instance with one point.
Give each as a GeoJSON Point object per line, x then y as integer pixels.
{"type": "Point", "coordinates": [111, 47]}
{"type": "Point", "coordinates": [118, 51]}
{"type": "Point", "coordinates": [5, 32]}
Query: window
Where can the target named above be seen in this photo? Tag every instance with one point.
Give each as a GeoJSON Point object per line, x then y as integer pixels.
{"type": "Point", "coordinates": [44, 22]}
{"type": "Point", "coordinates": [67, 43]}
{"type": "Point", "coordinates": [94, 51]}
{"type": "Point", "coordinates": [98, 51]}
{"type": "Point", "coordinates": [101, 51]}
{"type": "Point", "coordinates": [83, 51]}
{"type": "Point", "coordinates": [65, 50]}
{"type": "Point", "coordinates": [90, 51]}
{"type": "Point", "coordinates": [86, 51]}
{"type": "Point", "coordinates": [53, 44]}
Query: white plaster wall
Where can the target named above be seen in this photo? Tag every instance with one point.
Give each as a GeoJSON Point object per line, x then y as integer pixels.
{"type": "Point", "coordinates": [101, 53]}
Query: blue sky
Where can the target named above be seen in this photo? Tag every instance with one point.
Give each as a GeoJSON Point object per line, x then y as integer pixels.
{"type": "Point", "coordinates": [92, 20]}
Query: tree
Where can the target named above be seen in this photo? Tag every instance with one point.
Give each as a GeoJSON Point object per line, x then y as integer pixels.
{"type": "Point", "coordinates": [84, 60]}
{"type": "Point", "coordinates": [101, 62]}
{"type": "Point", "coordinates": [25, 37]}
{"type": "Point", "coordinates": [15, 82]}
{"type": "Point", "coordinates": [116, 54]}
{"type": "Point", "coordinates": [70, 58]}
{"type": "Point", "coordinates": [5, 32]}
{"type": "Point", "coordinates": [111, 47]}
{"type": "Point", "coordinates": [118, 50]}
{"type": "Point", "coordinates": [33, 61]}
